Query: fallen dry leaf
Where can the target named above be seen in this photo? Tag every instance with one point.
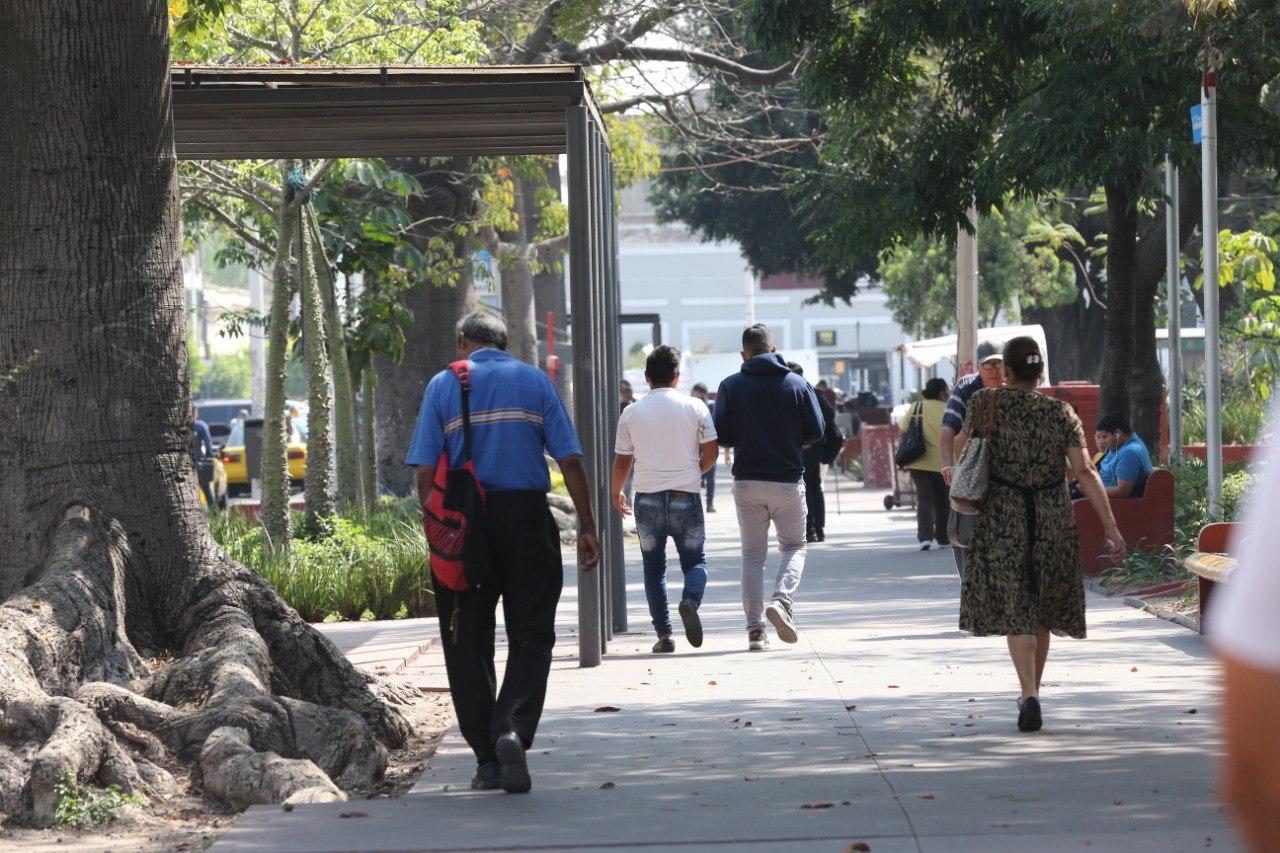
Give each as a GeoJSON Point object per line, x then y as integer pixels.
{"type": "Point", "coordinates": [608, 786]}
{"type": "Point", "coordinates": [817, 805]}
{"type": "Point", "coordinates": [1134, 669]}
{"type": "Point", "coordinates": [927, 797]}
{"type": "Point", "coordinates": [893, 686]}
{"type": "Point", "coordinates": [711, 683]}
{"type": "Point", "coordinates": [607, 709]}
{"type": "Point", "coordinates": [858, 847]}
{"type": "Point", "coordinates": [851, 707]}
{"type": "Point", "coordinates": [1189, 711]}
{"type": "Point", "coordinates": [353, 814]}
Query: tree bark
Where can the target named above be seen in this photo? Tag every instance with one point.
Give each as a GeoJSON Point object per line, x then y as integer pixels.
{"type": "Point", "coordinates": [274, 512]}
{"type": "Point", "coordinates": [344, 398]}
{"type": "Point", "coordinates": [1122, 237]}
{"type": "Point", "coordinates": [320, 511]}
{"type": "Point", "coordinates": [368, 438]}
{"type": "Point", "coordinates": [107, 557]}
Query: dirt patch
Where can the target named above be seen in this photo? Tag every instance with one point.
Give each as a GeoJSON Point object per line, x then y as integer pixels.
{"type": "Point", "coordinates": [191, 822]}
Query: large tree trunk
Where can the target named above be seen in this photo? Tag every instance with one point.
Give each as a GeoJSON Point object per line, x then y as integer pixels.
{"type": "Point", "coordinates": [430, 342]}
{"type": "Point", "coordinates": [1132, 381]}
{"type": "Point", "coordinates": [321, 509]}
{"type": "Point", "coordinates": [1076, 336]}
{"type": "Point", "coordinates": [107, 558]}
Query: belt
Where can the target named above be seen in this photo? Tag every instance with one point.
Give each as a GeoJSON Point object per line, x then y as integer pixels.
{"type": "Point", "coordinates": [1029, 514]}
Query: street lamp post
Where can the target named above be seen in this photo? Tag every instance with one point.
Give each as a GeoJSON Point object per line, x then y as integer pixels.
{"type": "Point", "coordinates": [1212, 347]}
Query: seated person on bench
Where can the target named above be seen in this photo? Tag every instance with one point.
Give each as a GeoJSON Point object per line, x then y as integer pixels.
{"type": "Point", "coordinates": [1127, 465]}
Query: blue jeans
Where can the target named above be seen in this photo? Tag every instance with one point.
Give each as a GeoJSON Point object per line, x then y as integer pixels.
{"type": "Point", "coordinates": [677, 515]}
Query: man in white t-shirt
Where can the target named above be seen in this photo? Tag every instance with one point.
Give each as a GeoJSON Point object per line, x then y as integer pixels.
{"type": "Point", "coordinates": [670, 440]}
{"type": "Point", "coordinates": [1243, 623]}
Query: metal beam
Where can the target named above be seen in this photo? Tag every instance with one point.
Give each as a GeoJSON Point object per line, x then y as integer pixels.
{"type": "Point", "coordinates": [590, 645]}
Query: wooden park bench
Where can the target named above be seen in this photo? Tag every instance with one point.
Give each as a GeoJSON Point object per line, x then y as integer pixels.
{"type": "Point", "coordinates": [1145, 522]}
{"type": "Point", "coordinates": [1211, 564]}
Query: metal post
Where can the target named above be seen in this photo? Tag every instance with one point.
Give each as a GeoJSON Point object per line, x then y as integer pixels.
{"type": "Point", "coordinates": [1173, 279]}
{"type": "Point", "coordinates": [589, 639]}
{"type": "Point", "coordinates": [613, 283]}
{"type": "Point", "coordinates": [1212, 348]}
{"type": "Point", "coordinates": [967, 295]}
{"type": "Point", "coordinates": [606, 386]}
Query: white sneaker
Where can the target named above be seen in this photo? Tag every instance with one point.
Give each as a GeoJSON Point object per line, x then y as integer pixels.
{"type": "Point", "coordinates": [757, 640]}
{"type": "Point", "coordinates": [926, 545]}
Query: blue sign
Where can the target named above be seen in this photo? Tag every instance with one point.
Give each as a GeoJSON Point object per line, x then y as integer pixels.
{"type": "Point", "coordinates": [1197, 125]}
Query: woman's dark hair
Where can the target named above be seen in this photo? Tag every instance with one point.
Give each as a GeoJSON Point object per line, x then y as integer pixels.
{"type": "Point", "coordinates": [935, 389]}
{"type": "Point", "coordinates": [662, 365]}
{"type": "Point", "coordinates": [1022, 356]}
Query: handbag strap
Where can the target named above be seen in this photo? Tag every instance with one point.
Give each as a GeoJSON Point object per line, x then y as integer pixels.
{"type": "Point", "coordinates": [462, 370]}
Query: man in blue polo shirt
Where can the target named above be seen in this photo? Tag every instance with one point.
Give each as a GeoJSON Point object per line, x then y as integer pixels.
{"type": "Point", "coordinates": [516, 418]}
{"type": "Point", "coordinates": [1125, 469]}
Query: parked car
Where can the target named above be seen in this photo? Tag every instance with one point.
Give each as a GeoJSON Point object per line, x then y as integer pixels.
{"type": "Point", "coordinates": [233, 459]}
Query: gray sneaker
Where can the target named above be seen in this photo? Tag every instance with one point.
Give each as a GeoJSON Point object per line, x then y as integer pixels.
{"type": "Point", "coordinates": [757, 640]}
{"type": "Point", "coordinates": [779, 613]}
{"type": "Point", "coordinates": [664, 646]}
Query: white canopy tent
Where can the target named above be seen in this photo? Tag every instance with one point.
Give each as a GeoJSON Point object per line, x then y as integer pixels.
{"type": "Point", "coordinates": [927, 354]}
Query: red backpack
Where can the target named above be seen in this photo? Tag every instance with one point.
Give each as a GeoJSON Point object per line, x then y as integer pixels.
{"type": "Point", "coordinates": [454, 517]}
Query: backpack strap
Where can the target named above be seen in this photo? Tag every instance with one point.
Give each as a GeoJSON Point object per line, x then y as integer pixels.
{"type": "Point", "coordinates": [462, 370]}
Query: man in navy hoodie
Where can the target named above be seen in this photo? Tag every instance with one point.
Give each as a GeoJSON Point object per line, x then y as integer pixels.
{"type": "Point", "coordinates": [768, 415]}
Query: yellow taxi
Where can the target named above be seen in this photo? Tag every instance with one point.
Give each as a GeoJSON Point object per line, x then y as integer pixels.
{"type": "Point", "coordinates": [233, 457]}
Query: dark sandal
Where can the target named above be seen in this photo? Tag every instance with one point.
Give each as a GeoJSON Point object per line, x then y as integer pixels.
{"type": "Point", "coordinates": [1029, 719]}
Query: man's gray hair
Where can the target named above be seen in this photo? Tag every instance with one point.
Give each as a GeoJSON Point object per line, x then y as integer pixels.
{"type": "Point", "coordinates": [484, 327]}
{"type": "Point", "coordinates": [757, 339]}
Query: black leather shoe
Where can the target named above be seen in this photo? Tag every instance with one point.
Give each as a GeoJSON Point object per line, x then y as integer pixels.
{"type": "Point", "coordinates": [514, 777]}
{"type": "Point", "coordinates": [487, 778]}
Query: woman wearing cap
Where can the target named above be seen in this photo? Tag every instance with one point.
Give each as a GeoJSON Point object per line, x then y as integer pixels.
{"type": "Point", "coordinates": [1022, 576]}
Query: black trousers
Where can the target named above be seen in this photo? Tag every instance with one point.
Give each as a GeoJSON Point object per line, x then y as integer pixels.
{"type": "Point", "coordinates": [527, 574]}
{"type": "Point", "coordinates": [933, 506]}
{"type": "Point", "coordinates": [814, 500]}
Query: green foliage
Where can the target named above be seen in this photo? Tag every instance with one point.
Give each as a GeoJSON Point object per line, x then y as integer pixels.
{"type": "Point", "coordinates": [933, 105]}
{"type": "Point", "coordinates": [1191, 502]}
{"type": "Point", "coordinates": [1020, 268]}
{"type": "Point", "coordinates": [373, 564]}
{"type": "Point", "coordinates": [80, 806]}
{"type": "Point", "coordinates": [226, 375]}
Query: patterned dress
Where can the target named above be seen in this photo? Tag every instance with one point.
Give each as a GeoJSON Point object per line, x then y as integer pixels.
{"type": "Point", "coordinates": [1007, 590]}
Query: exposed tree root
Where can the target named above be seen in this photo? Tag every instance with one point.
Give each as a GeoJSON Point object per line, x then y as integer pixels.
{"type": "Point", "coordinates": [260, 704]}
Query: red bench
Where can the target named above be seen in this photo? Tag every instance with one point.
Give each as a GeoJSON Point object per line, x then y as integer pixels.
{"type": "Point", "coordinates": [1146, 523]}
{"type": "Point", "coordinates": [1210, 564]}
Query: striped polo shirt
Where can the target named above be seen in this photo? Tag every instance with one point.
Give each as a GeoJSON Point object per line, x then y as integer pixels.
{"type": "Point", "coordinates": [516, 416]}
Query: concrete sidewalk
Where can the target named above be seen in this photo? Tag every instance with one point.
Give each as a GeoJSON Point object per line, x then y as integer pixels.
{"type": "Point", "coordinates": [884, 725]}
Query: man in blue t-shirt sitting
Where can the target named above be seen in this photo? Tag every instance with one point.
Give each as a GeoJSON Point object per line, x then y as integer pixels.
{"type": "Point", "coordinates": [1125, 469]}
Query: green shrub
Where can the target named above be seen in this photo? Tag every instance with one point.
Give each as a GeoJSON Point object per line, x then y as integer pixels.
{"type": "Point", "coordinates": [1190, 496]}
{"type": "Point", "coordinates": [81, 806]}
{"type": "Point", "coordinates": [375, 564]}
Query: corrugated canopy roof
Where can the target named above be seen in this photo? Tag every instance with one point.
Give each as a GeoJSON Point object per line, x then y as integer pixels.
{"type": "Point", "coordinates": [270, 111]}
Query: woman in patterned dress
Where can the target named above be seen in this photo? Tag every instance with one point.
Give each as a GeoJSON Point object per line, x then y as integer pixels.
{"type": "Point", "coordinates": [1022, 578]}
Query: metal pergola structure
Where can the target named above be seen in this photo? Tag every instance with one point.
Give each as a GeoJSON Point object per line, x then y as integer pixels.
{"type": "Point", "coordinates": [313, 112]}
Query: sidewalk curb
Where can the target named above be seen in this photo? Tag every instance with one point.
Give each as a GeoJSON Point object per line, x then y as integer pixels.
{"type": "Point", "coordinates": [1138, 604]}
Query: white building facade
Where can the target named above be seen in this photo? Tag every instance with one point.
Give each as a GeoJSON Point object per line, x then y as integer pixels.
{"type": "Point", "coordinates": [705, 293]}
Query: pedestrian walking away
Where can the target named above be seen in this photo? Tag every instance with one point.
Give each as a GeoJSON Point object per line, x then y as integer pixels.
{"type": "Point", "coordinates": [202, 455]}
{"type": "Point", "coordinates": [516, 417]}
{"type": "Point", "coordinates": [990, 375]}
{"type": "Point", "coordinates": [700, 392]}
{"type": "Point", "coordinates": [1021, 579]}
{"type": "Point", "coordinates": [933, 504]}
{"type": "Point", "coordinates": [814, 453]}
{"type": "Point", "coordinates": [767, 414]}
{"type": "Point", "coordinates": [669, 439]}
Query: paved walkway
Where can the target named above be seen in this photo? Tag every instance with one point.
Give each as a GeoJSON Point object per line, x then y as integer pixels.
{"type": "Point", "coordinates": [884, 725]}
